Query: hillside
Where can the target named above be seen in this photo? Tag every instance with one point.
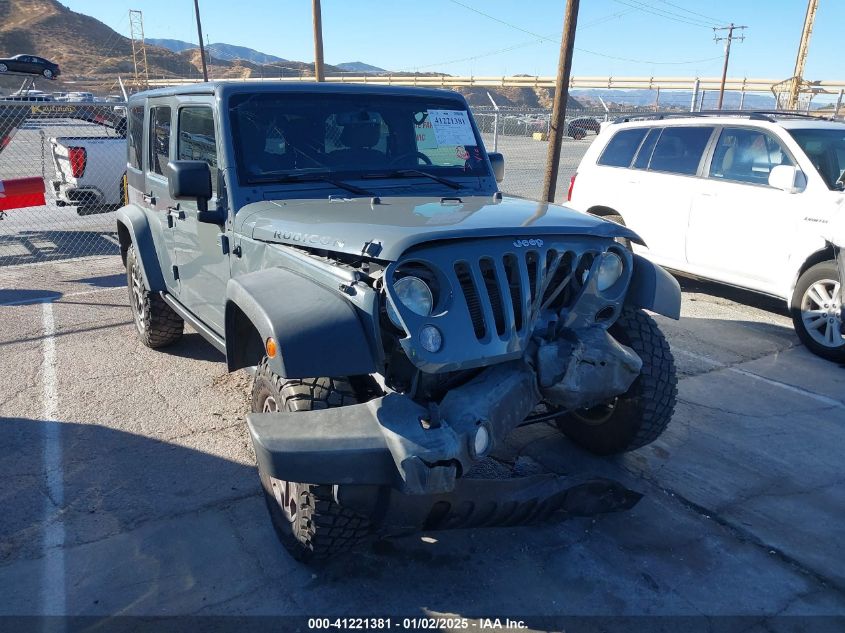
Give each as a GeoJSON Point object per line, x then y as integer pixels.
{"type": "Point", "coordinates": [92, 55]}
{"type": "Point", "coordinates": [360, 67]}
{"type": "Point", "coordinates": [81, 45]}
{"type": "Point", "coordinates": [220, 50]}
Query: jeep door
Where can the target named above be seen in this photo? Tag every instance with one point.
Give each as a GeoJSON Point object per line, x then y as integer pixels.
{"type": "Point", "coordinates": [155, 196]}
{"type": "Point", "coordinates": [662, 183]}
{"type": "Point", "coordinates": [740, 227]}
{"type": "Point", "coordinates": [201, 248]}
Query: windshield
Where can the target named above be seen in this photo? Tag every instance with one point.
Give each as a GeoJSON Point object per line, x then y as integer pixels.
{"type": "Point", "coordinates": [278, 136]}
{"type": "Point", "coordinates": [826, 150]}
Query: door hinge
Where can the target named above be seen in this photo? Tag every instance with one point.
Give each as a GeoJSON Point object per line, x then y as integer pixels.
{"type": "Point", "coordinates": [176, 273]}
{"type": "Point", "coordinates": [224, 243]}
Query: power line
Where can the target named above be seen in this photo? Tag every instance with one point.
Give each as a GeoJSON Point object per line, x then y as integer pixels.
{"type": "Point", "coordinates": [580, 50]}
{"type": "Point", "coordinates": [669, 15]}
{"type": "Point", "coordinates": [677, 6]}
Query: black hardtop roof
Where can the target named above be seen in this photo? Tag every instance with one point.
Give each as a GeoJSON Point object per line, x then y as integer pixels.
{"type": "Point", "coordinates": [226, 88]}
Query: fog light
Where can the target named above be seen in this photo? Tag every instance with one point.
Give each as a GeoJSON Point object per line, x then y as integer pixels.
{"type": "Point", "coordinates": [431, 339]}
{"type": "Point", "coordinates": [481, 441]}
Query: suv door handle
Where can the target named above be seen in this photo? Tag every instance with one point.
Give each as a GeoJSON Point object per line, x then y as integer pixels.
{"type": "Point", "coordinates": [175, 213]}
{"type": "Point", "coordinates": [149, 198]}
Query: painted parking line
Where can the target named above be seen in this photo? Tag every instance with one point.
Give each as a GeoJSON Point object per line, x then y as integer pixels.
{"type": "Point", "coordinates": [53, 601]}
{"type": "Point", "coordinates": [831, 402]}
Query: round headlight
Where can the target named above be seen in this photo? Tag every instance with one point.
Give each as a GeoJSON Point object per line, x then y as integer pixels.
{"type": "Point", "coordinates": [414, 294]}
{"type": "Point", "coordinates": [610, 270]}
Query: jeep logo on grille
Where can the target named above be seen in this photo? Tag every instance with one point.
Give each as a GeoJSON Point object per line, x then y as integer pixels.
{"type": "Point", "coordinates": [532, 242]}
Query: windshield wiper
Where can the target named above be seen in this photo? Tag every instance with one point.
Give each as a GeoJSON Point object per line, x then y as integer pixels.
{"type": "Point", "coordinates": [417, 172]}
{"type": "Point", "coordinates": [313, 178]}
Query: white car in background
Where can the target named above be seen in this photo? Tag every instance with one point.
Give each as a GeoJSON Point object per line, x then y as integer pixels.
{"type": "Point", "coordinates": [743, 199]}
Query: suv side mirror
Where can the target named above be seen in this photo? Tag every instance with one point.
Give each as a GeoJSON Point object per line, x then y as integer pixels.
{"type": "Point", "coordinates": [497, 162]}
{"type": "Point", "coordinates": [191, 180]}
{"type": "Point", "coordinates": [787, 178]}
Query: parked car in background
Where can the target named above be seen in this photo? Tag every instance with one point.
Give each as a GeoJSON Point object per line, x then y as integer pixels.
{"type": "Point", "coordinates": [741, 199]}
{"type": "Point", "coordinates": [31, 65]}
{"type": "Point", "coordinates": [578, 128]}
{"type": "Point", "coordinates": [29, 95]}
{"type": "Point", "coordinates": [83, 97]}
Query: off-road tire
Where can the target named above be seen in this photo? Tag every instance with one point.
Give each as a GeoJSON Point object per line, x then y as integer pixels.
{"type": "Point", "coordinates": [821, 272]}
{"type": "Point", "coordinates": [318, 528]}
{"type": "Point", "coordinates": [640, 415]}
{"type": "Point", "coordinates": [156, 323]}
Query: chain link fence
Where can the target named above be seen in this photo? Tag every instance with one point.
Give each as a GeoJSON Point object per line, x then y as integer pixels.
{"type": "Point", "coordinates": [61, 175]}
{"type": "Point", "coordinates": [75, 153]}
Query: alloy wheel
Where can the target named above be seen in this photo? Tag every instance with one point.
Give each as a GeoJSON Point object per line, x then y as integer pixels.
{"type": "Point", "coordinates": [821, 313]}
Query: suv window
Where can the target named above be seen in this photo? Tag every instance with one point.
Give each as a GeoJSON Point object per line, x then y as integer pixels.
{"type": "Point", "coordinates": [622, 147]}
{"type": "Point", "coordinates": [679, 150]}
{"type": "Point", "coordinates": [196, 139]}
{"type": "Point", "coordinates": [159, 138]}
{"type": "Point", "coordinates": [644, 153]}
{"type": "Point", "coordinates": [135, 137]}
{"type": "Point", "coordinates": [747, 156]}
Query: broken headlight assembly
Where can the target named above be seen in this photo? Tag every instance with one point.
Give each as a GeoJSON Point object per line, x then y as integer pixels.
{"type": "Point", "coordinates": [414, 294]}
{"type": "Point", "coordinates": [609, 271]}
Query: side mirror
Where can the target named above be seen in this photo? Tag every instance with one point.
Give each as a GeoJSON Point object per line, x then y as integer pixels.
{"type": "Point", "coordinates": [191, 180]}
{"type": "Point", "coordinates": [497, 162]}
{"type": "Point", "coordinates": [787, 178]}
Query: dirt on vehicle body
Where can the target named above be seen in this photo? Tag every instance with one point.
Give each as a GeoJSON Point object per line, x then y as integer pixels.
{"type": "Point", "coordinates": [402, 317]}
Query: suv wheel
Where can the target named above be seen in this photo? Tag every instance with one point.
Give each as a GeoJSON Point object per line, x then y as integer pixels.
{"type": "Point", "coordinates": [817, 311]}
{"type": "Point", "coordinates": [308, 521]}
{"type": "Point", "coordinates": [641, 414]}
{"type": "Point", "coordinates": [155, 321]}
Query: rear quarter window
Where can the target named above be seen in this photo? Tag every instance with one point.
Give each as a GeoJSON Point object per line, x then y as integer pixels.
{"type": "Point", "coordinates": [622, 147]}
{"type": "Point", "coordinates": [679, 150]}
{"type": "Point", "coordinates": [135, 137]}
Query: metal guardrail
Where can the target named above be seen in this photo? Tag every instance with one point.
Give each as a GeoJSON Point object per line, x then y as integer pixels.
{"type": "Point", "coordinates": [746, 84]}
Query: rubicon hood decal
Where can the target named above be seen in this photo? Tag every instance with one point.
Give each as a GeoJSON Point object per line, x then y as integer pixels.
{"type": "Point", "coordinates": [402, 222]}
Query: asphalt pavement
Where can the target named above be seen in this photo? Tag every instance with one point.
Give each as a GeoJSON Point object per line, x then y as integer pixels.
{"type": "Point", "coordinates": [129, 485]}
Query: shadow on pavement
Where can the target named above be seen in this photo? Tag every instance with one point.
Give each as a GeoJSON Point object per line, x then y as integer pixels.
{"type": "Point", "coordinates": [40, 246]}
{"type": "Point", "coordinates": [739, 295]}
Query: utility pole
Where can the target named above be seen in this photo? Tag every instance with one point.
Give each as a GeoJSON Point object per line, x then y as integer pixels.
{"type": "Point", "coordinates": [801, 58]}
{"type": "Point", "coordinates": [318, 41]}
{"type": "Point", "coordinates": [558, 121]}
{"type": "Point", "coordinates": [730, 37]}
{"type": "Point", "coordinates": [199, 35]}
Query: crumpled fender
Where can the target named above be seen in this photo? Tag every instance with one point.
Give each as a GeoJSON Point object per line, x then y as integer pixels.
{"type": "Point", "coordinates": [132, 223]}
{"type": "Point", "coordinates": [318, 332]}
{"type": "Point", "coordinates": [652, 288]}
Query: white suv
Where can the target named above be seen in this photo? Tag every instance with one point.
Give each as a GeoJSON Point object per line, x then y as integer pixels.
{"type": "Point", "coordinates": [742, 199]}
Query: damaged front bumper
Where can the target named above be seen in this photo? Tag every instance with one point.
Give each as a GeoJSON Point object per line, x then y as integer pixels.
{"type": "Point", "coordinates": [394, 442]}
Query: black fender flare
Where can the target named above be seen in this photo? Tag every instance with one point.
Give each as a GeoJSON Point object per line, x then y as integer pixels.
{"type": "Point", "coordinates": [317, 331]}
{"type": "Point", "coordinates": [652, 288]}
{"type": "Point", "coordinates": [133, 228]}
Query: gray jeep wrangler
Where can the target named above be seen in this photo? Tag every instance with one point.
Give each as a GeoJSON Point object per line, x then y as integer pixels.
{"type": "Point", "coordinates": [349, 246]}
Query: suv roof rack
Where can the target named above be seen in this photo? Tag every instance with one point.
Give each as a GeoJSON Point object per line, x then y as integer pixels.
{"type": "Point", "coordinates": [759, 115]}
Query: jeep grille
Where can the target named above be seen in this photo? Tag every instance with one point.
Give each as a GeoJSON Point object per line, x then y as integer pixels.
{"type": "Point", "coordinates": [536, 280]}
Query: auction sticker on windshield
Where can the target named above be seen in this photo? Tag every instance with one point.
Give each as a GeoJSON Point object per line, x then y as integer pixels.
{"type": "Point", "coordinates": [451, 127]}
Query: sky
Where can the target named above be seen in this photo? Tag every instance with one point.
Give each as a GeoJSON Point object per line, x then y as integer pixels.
{"type": "Point", "coordinates": [505, 37]}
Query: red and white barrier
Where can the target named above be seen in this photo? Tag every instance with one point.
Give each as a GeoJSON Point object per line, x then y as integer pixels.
{"type": "Point", "coordinates": [20, 193]}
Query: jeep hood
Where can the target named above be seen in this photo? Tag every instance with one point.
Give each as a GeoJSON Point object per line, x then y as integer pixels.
{"type": "Point", "coordinates": [395, 224]}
